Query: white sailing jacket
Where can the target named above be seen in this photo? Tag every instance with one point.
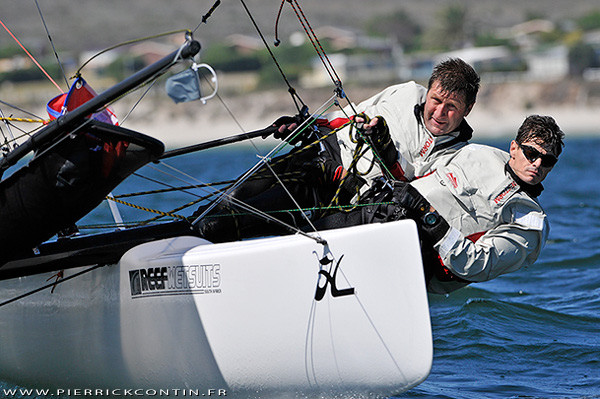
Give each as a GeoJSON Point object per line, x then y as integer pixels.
{"type": "Point", "coordinates": [397, 105]}
{"type": "Point", "coordinates": [495, 227]}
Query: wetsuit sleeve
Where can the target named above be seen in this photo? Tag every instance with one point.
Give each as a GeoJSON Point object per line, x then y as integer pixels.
{"type": "Point", "coordinates": [501, 250]}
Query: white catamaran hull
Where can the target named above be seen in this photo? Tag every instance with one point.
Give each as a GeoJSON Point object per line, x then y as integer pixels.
{"type": "Point", "coordinates": [282, 314]}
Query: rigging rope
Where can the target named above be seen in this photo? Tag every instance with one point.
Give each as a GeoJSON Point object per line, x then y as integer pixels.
{"type": "Point", "coordinates": [249, 208]}
{"type": "Point", "coordinates": [315, 41]}
{"type": "Point", "coordinates": [256, 167]}
{"type": "Point", "coordinates": [129, 42]}
{"type": "Point", "coordinates": [29, 120]}
{"type": "Point", "coordinates": [309, 209]}
{"type": "Point", "coordinates": [11, 139]}
{"type": "Point", "coordinates": [291, 90]}
{"type": "Point", "coordinates": [146, 209]}
{"type": "Point", "coordinates": [52, 43]}
{"type": "Point", "coordinates": [31, 56]}
{"type": "Point", "coordinates": [265, 161]}
{"type": "Point", "coordinates": [282, 179]}
{"type": "Point", "coordinates": [336, 81]}
{"type": "Point", "coordinates": [206, 16]}
{"type": "Point", "coordinates": [53, 284]}
{"type": "Point", "coordinates": [19, 109]}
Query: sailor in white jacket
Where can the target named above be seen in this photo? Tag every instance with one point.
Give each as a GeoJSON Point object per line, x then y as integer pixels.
{"type": "Point", "coordinates": [423, 124]}
{"type": "Point", "coordinates": [406, 111]}
{"type": "Point", "coordinates": [420, 125]}
{"type": "Point", "coordinates": [496, 224]}
{"type": "Point", "coordinates": [477, 214]}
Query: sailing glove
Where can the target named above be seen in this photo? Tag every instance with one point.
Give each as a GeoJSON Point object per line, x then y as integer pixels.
{"type": "Point", "coordinates": [380, 139]}
{"type": "Point", "coordinates": [286, 125]}
{"type": "Point", "coordinates": [432, 227]}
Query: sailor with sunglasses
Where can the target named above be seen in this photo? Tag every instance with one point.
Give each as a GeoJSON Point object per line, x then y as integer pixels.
{"type": "Point", "coordinates": [494, 223]}
{"type": "Point", "coordinates": [478, 215]}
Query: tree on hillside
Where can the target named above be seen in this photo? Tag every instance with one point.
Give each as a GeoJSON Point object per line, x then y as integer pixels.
{"type": "Point", "coordinates": [581, 57]}
{"type": "Point", "coordinates": [589, 21]}
{"type": "Point", "coordinates": [531, 15]}
{"type": "Point", "coordinates": [454, 21]}
{"type": "Point", "coordinates": [226, 58]}
{"type": "Point", "coordinates": [451, 31]}
{"type": "Point", "coordinates": [398, 25]}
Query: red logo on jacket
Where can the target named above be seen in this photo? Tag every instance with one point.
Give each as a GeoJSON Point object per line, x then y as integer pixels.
{"type": "Point", "coordinates": [505, 192]}
{"type": "Point", "coordinates": [426, 146]}
{"type": "Point", "coordinates": [452, 179]}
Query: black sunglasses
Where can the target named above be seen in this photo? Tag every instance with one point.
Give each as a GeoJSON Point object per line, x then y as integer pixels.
{"type": "Point", "coordinates": [532, 154]}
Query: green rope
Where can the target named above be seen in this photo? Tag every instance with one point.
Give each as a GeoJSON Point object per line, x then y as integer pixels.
{"type": "Point", "coordinates": [315, 208]}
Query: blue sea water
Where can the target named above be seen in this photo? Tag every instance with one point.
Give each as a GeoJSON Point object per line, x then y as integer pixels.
{"type": "Point", "coordinates": [534, 333]}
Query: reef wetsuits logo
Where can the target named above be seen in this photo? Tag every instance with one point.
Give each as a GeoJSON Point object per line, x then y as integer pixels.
{"type": "Point", "coordinates": [175, 280]}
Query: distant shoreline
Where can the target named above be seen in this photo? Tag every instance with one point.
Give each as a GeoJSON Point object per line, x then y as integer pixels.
{"type": "Point", "coordinates": [492, 117]}
{"type": "Point", "coordinates": [499, 111]}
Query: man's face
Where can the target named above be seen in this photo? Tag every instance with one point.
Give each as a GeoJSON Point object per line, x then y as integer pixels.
{"type": "Point", "coordinates": [528, 163]}
{"type": "Point", "coordinates": [444, 111]}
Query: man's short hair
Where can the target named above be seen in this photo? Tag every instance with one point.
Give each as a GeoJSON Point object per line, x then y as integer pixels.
{"type": "Point", "coordinates": [456, 76]}
{"type": "Point", "coordinates": [542, 130]}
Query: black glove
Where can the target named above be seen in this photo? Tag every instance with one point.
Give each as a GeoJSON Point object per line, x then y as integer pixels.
{"type": "Point", "coordinates": [432, 227]}
{"type": "Point", "coordinates": [287, 121]}
{"type": "Point", "coordinates": [381, 140]}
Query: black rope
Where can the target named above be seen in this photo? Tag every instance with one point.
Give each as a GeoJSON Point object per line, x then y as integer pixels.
{"type": "Point", "coordinates": [49, 285]}
{"type": "Point", "coordinates": [20, 109]}
{"type": "Point", "coordinates": [277, 41]}
{"type": "Point", "coordinates": [52, 43]}
{"type": "Point", "coordinates": [206, 16]}
{"type": "Point", "coordinates": [291, 90]}
{"type": "Point", "coordinates": [314, 40]}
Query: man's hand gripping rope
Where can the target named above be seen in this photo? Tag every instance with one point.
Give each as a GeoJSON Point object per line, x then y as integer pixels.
{"type": "Point", "coordinates": [377, 134]}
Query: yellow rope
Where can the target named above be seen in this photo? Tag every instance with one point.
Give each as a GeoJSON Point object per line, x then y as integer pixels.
{"type": "Point", "coordinates": [166, 190]}
{"type": "Point", "coordinates": [30, 120]}
{"type": "Point", "coordinates": [334, 204]}
{"type": "Point", "coordinates": [146, 209]}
